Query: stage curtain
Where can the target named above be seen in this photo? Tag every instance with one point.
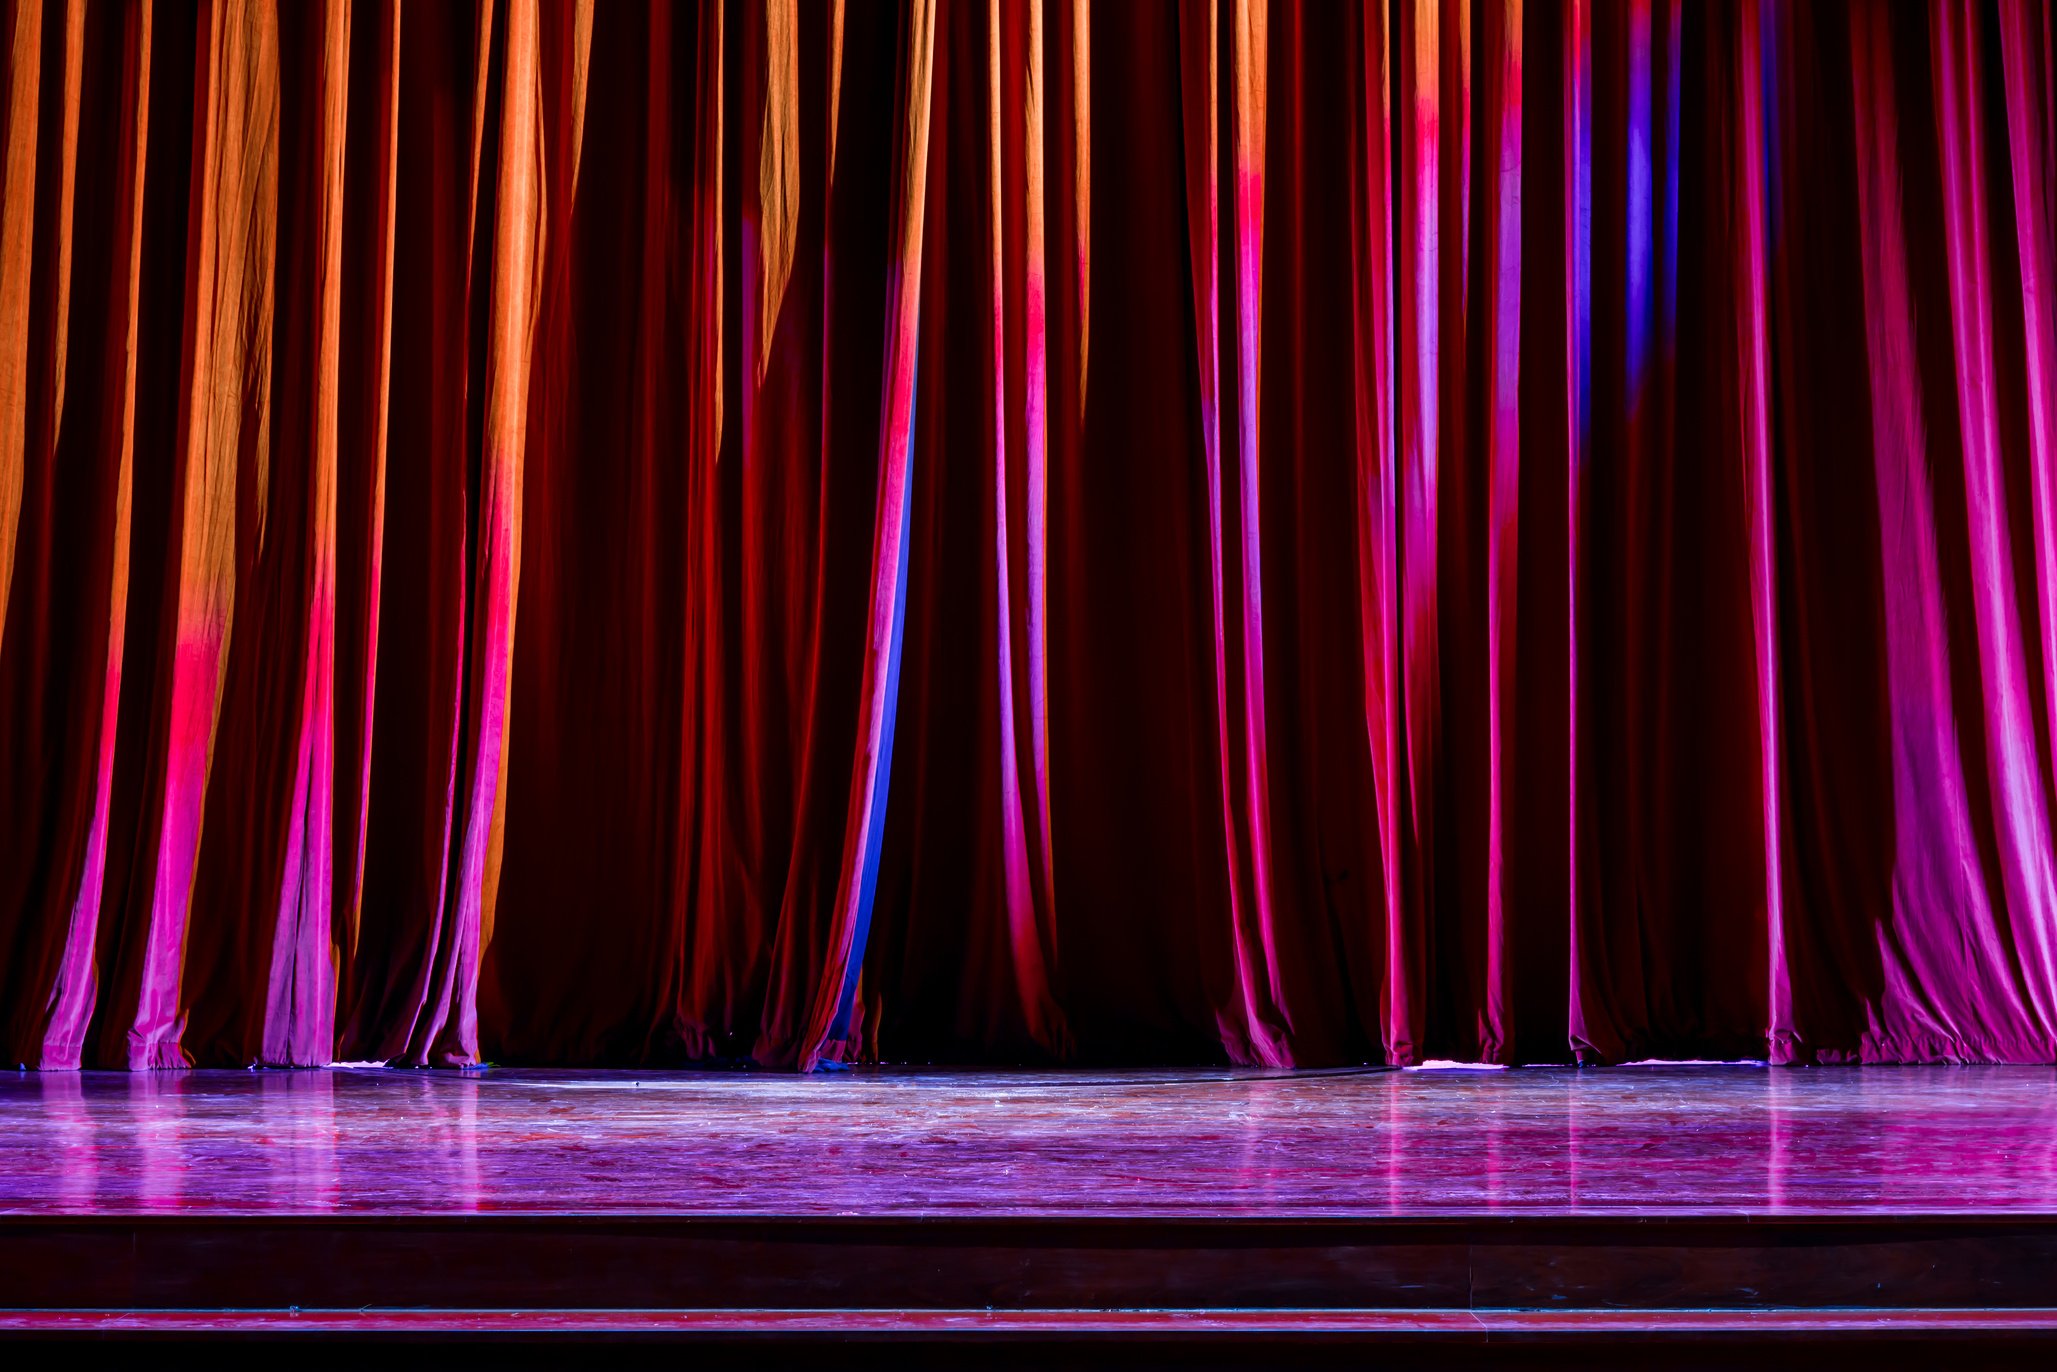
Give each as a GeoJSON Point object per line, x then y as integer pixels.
{"type": "Point", "coordinates": [1014, 531]}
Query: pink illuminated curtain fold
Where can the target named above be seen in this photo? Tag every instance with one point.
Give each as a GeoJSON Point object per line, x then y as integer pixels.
{"type": "Point", "coordinates": [1260, 531]}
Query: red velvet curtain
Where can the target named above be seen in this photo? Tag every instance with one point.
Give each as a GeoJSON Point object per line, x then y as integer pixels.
{"type": "Point", "coordinates": [1012, 530]}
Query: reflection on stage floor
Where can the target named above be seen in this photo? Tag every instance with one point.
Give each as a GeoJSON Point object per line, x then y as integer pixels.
{"type": "Point", "coordinates": [1662, 1141]}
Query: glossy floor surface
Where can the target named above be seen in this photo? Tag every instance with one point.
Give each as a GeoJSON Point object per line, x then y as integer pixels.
{"type": "Point", "coordinates": [1673, 1141]}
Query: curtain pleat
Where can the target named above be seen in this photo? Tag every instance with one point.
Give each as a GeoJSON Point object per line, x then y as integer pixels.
{"type": "Point", "coordinates": [1027, 530]}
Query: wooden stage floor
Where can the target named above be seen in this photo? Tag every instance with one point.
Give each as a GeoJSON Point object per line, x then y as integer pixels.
{"type": "Point", "coordinates": [1630, 1141]}
{"type": "Point", "coordinates": [1423, 1207]}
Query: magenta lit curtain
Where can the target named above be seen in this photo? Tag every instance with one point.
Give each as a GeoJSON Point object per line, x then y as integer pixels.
{"type": "Point", "coordinates": [1022, 530]}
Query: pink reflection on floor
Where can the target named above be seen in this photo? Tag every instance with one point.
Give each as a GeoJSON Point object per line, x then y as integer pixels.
{"type": "Point", "coordinates": [1658, 1140]}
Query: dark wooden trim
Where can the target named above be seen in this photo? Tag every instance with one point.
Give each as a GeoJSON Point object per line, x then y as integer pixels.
{"type": "Point", "coordinates": [506, 1261]}
{"type": "Point", "coordinates": [944, 1325]}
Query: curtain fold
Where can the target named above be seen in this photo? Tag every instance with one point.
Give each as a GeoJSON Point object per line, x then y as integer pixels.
{"type": "Point", "coordinates": [1027, 530]}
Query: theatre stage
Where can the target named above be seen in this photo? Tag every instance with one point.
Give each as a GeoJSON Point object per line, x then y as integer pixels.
{"type": "Point", "coordinates": [1433, 1212]}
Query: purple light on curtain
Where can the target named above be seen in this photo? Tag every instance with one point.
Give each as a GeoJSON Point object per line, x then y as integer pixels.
{"type": "Point", "coordinates": [1023, 530]}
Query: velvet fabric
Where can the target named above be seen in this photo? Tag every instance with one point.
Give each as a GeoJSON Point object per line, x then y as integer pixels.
{"type": "Point", "coordinates": [1017, 530]}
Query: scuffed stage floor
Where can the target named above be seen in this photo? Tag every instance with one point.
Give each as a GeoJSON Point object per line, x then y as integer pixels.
{"type": "Point", "coordinates": [1649, 1141]}
{"type": "Point", "coordinates": [1610, 1217]}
